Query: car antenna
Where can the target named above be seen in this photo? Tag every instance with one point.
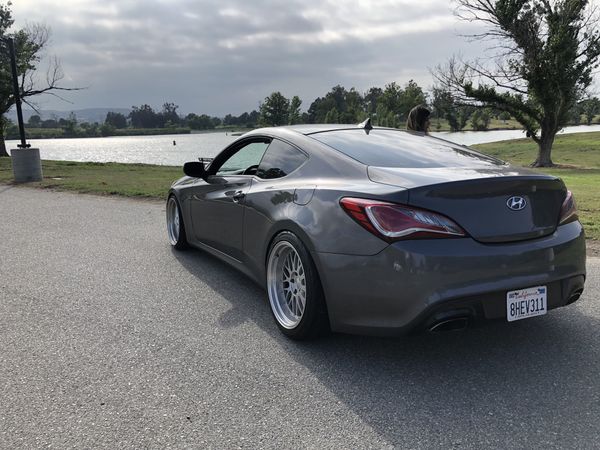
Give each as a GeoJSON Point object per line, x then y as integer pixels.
{"type": "Point", "coordinates": [366, 125]}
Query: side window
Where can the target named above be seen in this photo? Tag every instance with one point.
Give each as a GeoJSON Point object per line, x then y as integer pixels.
{"type": "Point", "coordinates": [246, 159]}
{"type": "Point", "coordinates": [280, 160]}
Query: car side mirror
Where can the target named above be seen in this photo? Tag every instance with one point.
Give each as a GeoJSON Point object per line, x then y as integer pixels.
{"type": "Point", "coordinates": [194, 169]}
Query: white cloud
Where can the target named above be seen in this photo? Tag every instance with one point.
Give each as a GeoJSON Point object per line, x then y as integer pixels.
{"type": "Point", "coordinates": [220, 56]}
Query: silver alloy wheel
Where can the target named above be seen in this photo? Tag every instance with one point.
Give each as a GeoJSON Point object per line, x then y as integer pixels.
{"type": "Point", "coordinates": [173, 228]}
{"type": "Point", "coordinates": [286, 284]}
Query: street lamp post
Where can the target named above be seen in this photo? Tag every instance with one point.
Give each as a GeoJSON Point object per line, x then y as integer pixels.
{"type": "Point", "coordinates": [17, 92]}
{"type": "Point", "coordinates": [26, 161]}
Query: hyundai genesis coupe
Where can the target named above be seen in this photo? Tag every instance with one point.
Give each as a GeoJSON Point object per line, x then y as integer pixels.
{"type": "Point", "coordinates": [371, 230]}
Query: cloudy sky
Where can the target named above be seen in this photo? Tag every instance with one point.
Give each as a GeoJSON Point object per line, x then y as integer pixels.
{"type": "Point", "coordinates": [224, 56]}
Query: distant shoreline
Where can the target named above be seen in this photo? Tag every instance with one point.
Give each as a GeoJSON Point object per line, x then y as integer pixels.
{"type": "Point", "coordinates": [58, 133]}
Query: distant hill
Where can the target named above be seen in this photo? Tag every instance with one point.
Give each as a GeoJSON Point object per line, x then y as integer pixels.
{"type": "Point", "coordinates": [89, 115]}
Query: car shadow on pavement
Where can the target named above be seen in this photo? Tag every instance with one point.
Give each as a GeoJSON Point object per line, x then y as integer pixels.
{"type": "Point", "coordinates": [535, 381]}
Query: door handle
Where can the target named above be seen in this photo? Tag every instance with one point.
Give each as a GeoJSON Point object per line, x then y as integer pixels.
{"type": "Point", "coordinates": [237, 196]}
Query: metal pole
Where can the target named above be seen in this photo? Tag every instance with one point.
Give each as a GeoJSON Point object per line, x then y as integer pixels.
{"type": "Point", "coordinates": [13, 64]}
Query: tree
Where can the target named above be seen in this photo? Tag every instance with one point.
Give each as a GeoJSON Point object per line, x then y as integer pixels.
{"type": "Point", "coordinates": [274, 111]}
{"type": "Point", "coordinates": [168, 115]}
{"type": "Point", "coordinates": [115, 120]}
{"type": "Point", "coordinates": [348, 105]}
{"type": "Point", "coordinates": [69, 124]}
{"type": "Point", "coordinates": [294, 115]}
{"type": "Point", "coordinates": [30, 45]}
{"type": "Point", "coordinates": [332, 116]}
{"type": "Point", "coordinates": [90, 129]}
{"type": "Point", "coordinates": [50, 123]}
{"type": "Point", "coordinates": [202, 122]}
{"type": "Point", "coordinates": [445, 106]}
{"type": "Point", "coordinates": [143, 117]}
{"type": "Point", "coordinates": [575, 114]}
{"type": "Point", "coordinates": [547, 51]}
{"type": "Point", "coordinates": [35, 121]}
{"type": "Point", "coordinates": [504, 116]}
{"type": "Point", "coordinates": [591, 108]}
{"type": "Point", "coordinates": [411, 96]}
{"type": "Point", "coordinates": [480, 119]}
{"type": "Point", "coordinates": [391, 98]}
{"type": "Point", "coordinates": [371, 99]}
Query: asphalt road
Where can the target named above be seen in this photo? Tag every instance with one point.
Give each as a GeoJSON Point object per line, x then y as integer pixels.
{"type": "Point", "coordinates": [110, 339]}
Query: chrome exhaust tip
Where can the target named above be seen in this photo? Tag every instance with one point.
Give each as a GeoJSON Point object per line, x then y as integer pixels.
{"type": "Point", "coordinates": [453, 324]}
{"type": "Point", "coordinates": [574, 296]}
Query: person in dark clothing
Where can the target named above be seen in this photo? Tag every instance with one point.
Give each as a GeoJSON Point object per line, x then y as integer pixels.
{"type": "Point", "coordinates": [418, 119]}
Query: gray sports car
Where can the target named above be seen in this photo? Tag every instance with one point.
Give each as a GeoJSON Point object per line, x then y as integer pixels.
{"type": "Point", "coordinates": [381, 231]}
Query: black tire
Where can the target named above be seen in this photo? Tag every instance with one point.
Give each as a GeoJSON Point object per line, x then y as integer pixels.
{"type": "Point", "coordinates": [175, 228]}
{"type": "Point", "coordinates": [314, 321]}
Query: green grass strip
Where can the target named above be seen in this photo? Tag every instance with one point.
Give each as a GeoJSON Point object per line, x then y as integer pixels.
{"type": "Point", "coordinates": [577, 154]}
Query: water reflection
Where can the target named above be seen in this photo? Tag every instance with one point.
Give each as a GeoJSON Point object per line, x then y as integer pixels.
{"type": "Point", "coordinates": [160, 149]}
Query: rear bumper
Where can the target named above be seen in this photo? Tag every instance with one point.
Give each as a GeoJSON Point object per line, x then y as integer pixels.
{"type": "Point", "coordinates": [408, 283]}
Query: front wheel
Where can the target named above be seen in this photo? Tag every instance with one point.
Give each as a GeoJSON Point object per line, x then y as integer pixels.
{"type": "Point", "coordinates": [175, 226]}
{"type": "Point", "coordinates": [294, 289]}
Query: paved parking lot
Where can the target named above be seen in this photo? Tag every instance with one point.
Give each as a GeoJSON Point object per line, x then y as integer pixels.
{"type": "Point", "coordinates": [110, 339]}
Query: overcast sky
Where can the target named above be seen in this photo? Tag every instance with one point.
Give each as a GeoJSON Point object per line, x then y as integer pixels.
{"type": "Point", "coordinates": [224, 56]}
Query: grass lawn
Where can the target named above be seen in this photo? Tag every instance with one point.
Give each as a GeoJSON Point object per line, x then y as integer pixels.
{"type": "Point", "coordinates": [581, 150]}
{"type": "Point", "coordinates": [495, 124]}
{"type": "Point", "coordinates": [577, 154]}
{"type": "Point", "coordinates": [578, 157]}
{"type": "Point", "coordinates": [130, 180]}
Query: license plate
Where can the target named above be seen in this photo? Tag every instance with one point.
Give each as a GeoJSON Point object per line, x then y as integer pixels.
{"type": "Point", "coordinates": [526, 303]}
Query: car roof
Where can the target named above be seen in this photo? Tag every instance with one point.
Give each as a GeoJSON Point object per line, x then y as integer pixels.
{"type": "Point", "coordinates": [308, 129]}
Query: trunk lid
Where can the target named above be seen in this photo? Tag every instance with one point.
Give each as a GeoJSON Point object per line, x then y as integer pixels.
{"type": "Point", "coordinates": [500, 205]}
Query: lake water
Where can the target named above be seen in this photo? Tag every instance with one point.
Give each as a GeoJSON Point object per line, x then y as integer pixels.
{"type": "Point", "coordinates": [160, 149]}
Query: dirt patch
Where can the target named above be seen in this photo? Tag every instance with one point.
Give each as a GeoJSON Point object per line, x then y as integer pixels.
{"type": "Point", "coordinates": [593, 247]}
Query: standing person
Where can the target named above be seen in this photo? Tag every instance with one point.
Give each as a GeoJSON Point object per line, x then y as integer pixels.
{"type": "Point", "coordinates": [418, 119]}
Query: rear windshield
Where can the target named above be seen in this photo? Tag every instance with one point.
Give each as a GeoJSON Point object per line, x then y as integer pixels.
{"type": "Point", "coordinates": [391, 148]}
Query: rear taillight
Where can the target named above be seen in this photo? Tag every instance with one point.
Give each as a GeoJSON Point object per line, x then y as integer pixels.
{"type": "Point", "coordinates": [568, 211]}
{"type": "Point", "coordinates": [392, 222]}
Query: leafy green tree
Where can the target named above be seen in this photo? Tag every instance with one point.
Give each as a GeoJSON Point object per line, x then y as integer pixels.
{"type": "Point", "coordinates": [144, 117]}
{"type": "Point", "coordinates": [116, 120]}
{"type": "Point", "coordinates": [391, 99]}
{"type": "Point", "coordinates": [411, 96]}
{"type": "Point", "coordinates": [90, 129]}
{"type": "Point", "coordinates": [575, 114]}
{"type": "Point", "coordinates": [107, 129]}
{"type": "Point", "coordinates": [480, 119]}
{"type": "Point", "coordinates": [355, 107]}
{"type": "Point", "coordinates": [372, 99]}
{"type": "Point", "coordinates": [69, 125]}
{"type": "Point", "coordinates": [249, 120]}
{"type": "Point", "coordinates": [332, 116]}
{"type": "Point", "coordinates": [50, 123]}
{"type": "Point", "coordinates": [384, 117]}
{"type": "Point", "coordinates": [274, 111]}
{"type": "Point", "coordinates": [35, 121]}
{"type": "Point", "coordinates": [319, 108]}
{"type": "Point", "coordinates": [549, 50]}
{"type": "Point", "coordinates": [31, 44]}
{"type": "Point", "coordinates": [397, 102]}
{"type": "Point", "coordinates": [504, 116]}
{"type": "Point", "coordinates": [168, 116]}
{"type": "Point", "coordinates": [348, 105]}
{"type": "Point", "coordinates": [202, 122]}
{"type": "Point", "coordinates": [295, 116]}
{"type": "Point", "coordinates": [591, 108]}
{"type": "Point", "coordinates": [445, 106]}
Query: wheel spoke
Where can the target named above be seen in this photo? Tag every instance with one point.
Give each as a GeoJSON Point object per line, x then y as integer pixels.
{"type": "Point", "coordinates": [286, 280]}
